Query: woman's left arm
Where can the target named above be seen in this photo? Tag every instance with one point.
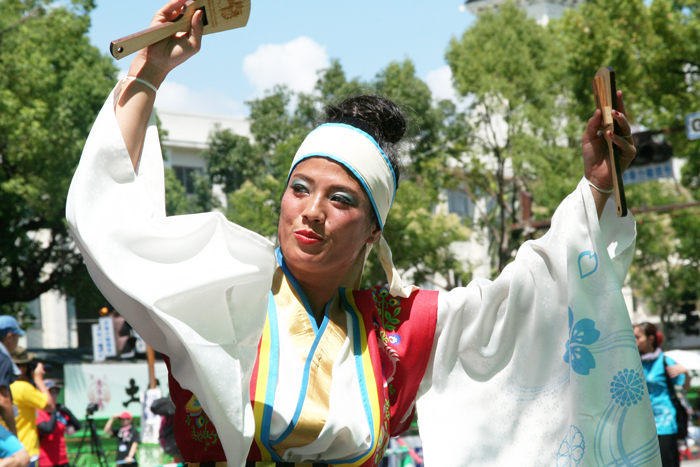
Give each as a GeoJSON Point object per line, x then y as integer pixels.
{"type": "Point", "coordinates": [547, 330]}
{"type": "Point", "coordinates": [132, 452]}
{"type": "Point", "coordinates": [674, 371]}
{"type": "Point", "coordinates": [72, 419]}
{"type": "Point", "coordinates": [596, 161]}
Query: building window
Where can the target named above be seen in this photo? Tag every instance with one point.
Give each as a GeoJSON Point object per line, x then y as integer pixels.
{"type": "Point", "coordinates": [459, 203]}
{"type": "Point", "coordinates": [186, 175]}
{"type": "Point", "coordinates": [34, 312]}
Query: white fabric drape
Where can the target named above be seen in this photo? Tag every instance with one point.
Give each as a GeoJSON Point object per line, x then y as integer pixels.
{"type": "Point", "coordinates": [540, 366]}
{"type": "Point", "coordinates": [196, 288]}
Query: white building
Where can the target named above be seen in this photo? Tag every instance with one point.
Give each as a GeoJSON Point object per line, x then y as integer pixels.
{"type": "Point", "coordinates": [188, 135]}
{"type": "Point", "coordinates": [541, 10]}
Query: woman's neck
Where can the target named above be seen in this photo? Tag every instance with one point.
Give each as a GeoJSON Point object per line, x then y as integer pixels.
{"type": "Point", "coordinates": [319, 296]}
{"type": "Point", "coordinates": [319, 287]}
{"type": "Point", "coordinates": [653, 355]}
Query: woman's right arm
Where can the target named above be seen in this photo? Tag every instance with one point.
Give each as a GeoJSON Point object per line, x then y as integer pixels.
{"type": "Point", "coordinates": [160, 271]}
{"type": "Point", "coordinates": [46, 427]}
{"type": "Point", "coordinates": [152, 65]}
{"type": "Point", "coordinates": [108, 426]}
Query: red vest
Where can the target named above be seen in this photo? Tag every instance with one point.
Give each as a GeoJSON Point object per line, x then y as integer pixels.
{"type": "Point", "coordinates": [400, 336]}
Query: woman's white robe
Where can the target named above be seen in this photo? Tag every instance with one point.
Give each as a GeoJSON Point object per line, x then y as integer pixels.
{"type": "Point", "coordinates": [538, 367]}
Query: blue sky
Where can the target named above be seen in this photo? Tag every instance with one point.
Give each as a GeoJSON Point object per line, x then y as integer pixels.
{"type": "Point", "coordinates": [286, 42]}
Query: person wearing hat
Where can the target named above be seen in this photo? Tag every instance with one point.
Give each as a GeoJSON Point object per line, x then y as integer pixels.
{"type": "Point", "coordinates": [29, 394]}
{"type": "Point", "coordinates": [52, 429]}
{"type": "Point", "coordinates": [10, 333]}
{"type": "Point", "coordinates": [128, 437]}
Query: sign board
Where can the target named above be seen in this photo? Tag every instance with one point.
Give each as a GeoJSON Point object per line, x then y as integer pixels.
{"type": "Point", "coordinates": [150, 422]}
{"type": "Point", "coordinates": [692, 125]}
{"type": "Point", "coordinates": [108, 340]}
{"type": "Point", "coordinates": [98, 348]}
{"type": "Point", "coordinates": [646, 173]}
{"type": "Point", "coordinates": [114, 386]}
{"type": "Point", "coordinates": [140, 346]}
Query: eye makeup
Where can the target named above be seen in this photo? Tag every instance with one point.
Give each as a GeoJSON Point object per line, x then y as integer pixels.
{"type": "Point", "coordinates": [345, 198]}
{"type": "Point", "coordinates": [299, 184]}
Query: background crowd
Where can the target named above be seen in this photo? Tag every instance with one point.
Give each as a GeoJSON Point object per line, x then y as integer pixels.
{"type": "Point", "coordinates": [33, 423]}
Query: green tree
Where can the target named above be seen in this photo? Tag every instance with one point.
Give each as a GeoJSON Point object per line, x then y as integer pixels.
{"type": "Point", "coordinates": [508, 68]}
{"type": "Point", "coordinates": [52, 84]}
{"type": "Point", "coordinates": [421, 239]}
{"type": "Point", "coordinates": [666, 271]}
{"type": "Point", "coordinates": [230, 159]}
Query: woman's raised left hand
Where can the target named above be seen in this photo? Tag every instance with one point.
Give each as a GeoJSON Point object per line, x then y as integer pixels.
{"type": "Point", "coordinates": [596, 160]}
{"type": "Point", "coordinates": [675, 370]}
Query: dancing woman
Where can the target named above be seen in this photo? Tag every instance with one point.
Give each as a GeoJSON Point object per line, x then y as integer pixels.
{"type": "Point", "coordinates": [280, 350]}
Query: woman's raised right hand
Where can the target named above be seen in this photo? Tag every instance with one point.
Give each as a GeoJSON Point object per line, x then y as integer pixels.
{"type": "Point", "coordinates": [155, 62]}
{"type": "Point", "coordinates": [152, 65]}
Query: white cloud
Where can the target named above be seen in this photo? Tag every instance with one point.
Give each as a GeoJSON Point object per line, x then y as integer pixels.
{"type": "Point", "coordinates": [440, 83]}
{"type": "Point", "coordinates": [177, 97]}
{"type": "Point", "coordinates": [294, 64]}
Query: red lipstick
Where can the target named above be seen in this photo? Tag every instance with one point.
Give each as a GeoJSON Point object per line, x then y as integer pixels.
{"type": "Point", "coordinates": [308, 237]}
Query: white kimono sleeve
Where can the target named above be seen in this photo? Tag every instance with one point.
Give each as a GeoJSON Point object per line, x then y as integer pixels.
{"type": "Point", "coordinates": [540, 367]}
{"type": "Point", "coordinates": [194, 287]}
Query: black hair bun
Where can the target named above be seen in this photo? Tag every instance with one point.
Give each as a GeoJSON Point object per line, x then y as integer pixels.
{"type": "Point", "coordinates": [384, 117]}
{"type": "Point", "coordinates": [381, 118]}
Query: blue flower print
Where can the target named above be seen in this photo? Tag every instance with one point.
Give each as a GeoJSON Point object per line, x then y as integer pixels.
{"type": "Point", "coordinates": [583, 333]}
{"type": "Point", "coordinates": [394, 339]}
{"type": "Point", "coordinates": [571, 449]}
{"type": "Point", "coordinates": [627, 387]}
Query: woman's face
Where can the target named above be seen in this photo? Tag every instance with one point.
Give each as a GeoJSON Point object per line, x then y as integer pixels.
{"type": "Point", "coordinates": [645, 344]}
{"type": "Point", "coordinates": [325, 219]}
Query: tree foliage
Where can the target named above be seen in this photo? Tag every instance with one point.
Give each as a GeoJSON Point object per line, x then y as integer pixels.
{"type": "Point", "coordinates": [52, 84]}
{"type": "Point", "coordinates": [508, 68]}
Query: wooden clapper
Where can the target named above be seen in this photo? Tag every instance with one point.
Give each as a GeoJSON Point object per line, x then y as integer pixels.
{"type": "Point", "coordinates": [605, 92]}
{"type": "Point", "coordinates": [219, 15]}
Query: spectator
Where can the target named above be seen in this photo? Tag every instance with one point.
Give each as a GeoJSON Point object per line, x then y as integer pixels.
{"type": "Point", "coordinates": [12, 453]}
{"type": "Point", "coordinates": [29, 393]}
{"type": "Point", "coordinates": [165, 407]}
{"type": "Point", "coordinates": [52, 429]}
{"type": "Point", "coordinates": [10, 333]}
{"type": "Point", "coordinates": [128, 437]}
{"type": "Point", "coordinates": [657, 370]}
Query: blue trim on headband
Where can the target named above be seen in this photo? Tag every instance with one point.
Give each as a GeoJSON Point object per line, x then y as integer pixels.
{"type": "Point", "coordinates": [369, 137]}
{"type": "Point", "coordinates": [352, 170]}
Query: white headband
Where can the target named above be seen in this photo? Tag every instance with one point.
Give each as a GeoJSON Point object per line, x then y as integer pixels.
{"type": "Point", "coordinates": [361, 155]}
